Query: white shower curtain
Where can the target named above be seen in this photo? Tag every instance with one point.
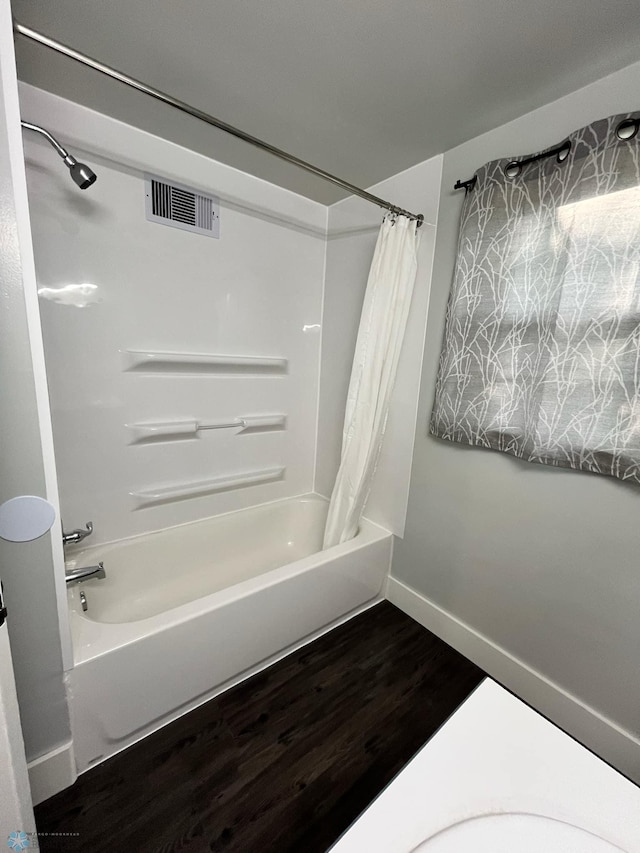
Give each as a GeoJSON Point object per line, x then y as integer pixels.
{"type": "Point", "coordinates": [382, 326]}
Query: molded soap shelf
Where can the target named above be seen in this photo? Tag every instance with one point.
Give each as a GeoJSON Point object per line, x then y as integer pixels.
{"type": "Point", "coordinates": [148, 361]}
{"type": "Point", "coordinates": [152, 433]}
{"type": "Point", "coordinates": [183, 491]}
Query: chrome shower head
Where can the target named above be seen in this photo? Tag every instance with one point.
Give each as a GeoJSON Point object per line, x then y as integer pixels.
{"type": "Point", "coordinates": [82, 175]}
{"type": "Point", "coordinates": [80, 172]}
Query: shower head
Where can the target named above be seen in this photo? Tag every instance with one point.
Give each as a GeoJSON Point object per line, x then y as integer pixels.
{"type": "Point", "coordinates": [81, 174]}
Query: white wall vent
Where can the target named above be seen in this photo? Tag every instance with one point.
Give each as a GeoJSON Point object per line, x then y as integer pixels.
{"type": "Point", "coordinates": [181, 207]}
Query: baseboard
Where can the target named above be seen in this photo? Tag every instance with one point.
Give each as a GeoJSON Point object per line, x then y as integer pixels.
{"type": "Point", "coordinates": [52, 772]}
{"type": "Point", "coordinates": [601, 735]}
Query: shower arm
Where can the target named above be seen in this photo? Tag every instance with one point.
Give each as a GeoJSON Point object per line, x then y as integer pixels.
{"type": "Point", "coordinates": [80, 173]}
{"type": "Point", "coordinates": [51, 139]}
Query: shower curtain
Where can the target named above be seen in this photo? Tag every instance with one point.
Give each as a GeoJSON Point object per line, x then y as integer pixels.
{"type": "Point", "coordinates": [382, 326]}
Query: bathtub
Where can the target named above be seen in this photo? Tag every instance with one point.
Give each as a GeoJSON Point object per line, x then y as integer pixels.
{"type": "Point", "coordinates": [187, 612]}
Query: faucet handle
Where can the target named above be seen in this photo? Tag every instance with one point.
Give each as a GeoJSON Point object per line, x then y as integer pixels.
{"type": "Point", "coordinates": [75, 536]}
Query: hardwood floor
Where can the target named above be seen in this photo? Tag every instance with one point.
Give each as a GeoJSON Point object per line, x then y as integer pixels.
{"type": "Point", "coordinates": [283, 762]}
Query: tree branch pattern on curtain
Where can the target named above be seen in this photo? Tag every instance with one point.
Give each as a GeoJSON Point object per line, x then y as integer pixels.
{"type": "Point", "coordinates": [541, 349]}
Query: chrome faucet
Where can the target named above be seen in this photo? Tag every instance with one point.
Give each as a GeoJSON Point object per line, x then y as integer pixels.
{"type": "Point", "coordinates": [85, 573]}
{"type": "Point", "coordinates": [75, 536]}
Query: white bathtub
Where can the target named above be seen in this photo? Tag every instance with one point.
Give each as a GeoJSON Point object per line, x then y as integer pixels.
{"type": "Point", "coordinates": [185, 613]}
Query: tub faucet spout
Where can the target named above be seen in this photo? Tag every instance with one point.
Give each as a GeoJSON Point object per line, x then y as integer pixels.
{"type": "Point", "coordinates": [85, 573]}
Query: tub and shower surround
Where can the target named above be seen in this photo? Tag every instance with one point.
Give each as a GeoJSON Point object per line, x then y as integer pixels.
{"type": "Point", "coordinates": [185, 613]}
{"type": "Point", "coordinates": [146, 325]}
{"type": "Point", "coordinates": [146, 329]}
{"type": "Point", "coordinates": [198, 376]}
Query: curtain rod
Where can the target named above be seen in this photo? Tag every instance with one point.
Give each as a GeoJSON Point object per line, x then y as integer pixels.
{"type": "Point", "coordinates": [514, 167]}
{"type": "Point", "coordinates": [83, 59]}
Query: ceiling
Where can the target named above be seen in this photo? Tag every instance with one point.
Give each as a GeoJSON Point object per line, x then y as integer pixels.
{"type": "Point", "coordinates": [360, 88]}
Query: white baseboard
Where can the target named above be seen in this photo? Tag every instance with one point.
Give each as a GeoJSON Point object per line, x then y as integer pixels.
{"type": "Point", "coordinates": [52, 772]}
{"type": "Point", "coordinates": [616, 745]}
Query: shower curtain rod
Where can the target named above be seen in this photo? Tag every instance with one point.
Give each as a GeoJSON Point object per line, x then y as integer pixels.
{"type": "Point", "coordinates": [83, 59]}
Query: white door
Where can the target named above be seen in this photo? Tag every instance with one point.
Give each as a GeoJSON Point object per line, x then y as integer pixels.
{"type": "Point", "coordinates": [16, 812]}
{"type": "Point", "coordinates": [17, 826]}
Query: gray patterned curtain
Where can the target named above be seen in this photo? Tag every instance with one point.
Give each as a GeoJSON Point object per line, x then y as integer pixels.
{"type": "Point", "coordinates": [541, 350]}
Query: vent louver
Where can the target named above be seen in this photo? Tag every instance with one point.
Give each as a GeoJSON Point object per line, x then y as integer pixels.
{"type": "Point", "coordinates": [181, 207]}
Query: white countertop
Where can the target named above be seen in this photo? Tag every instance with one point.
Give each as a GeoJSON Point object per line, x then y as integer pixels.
{"type": "Point", "coordinates": [496, 756]}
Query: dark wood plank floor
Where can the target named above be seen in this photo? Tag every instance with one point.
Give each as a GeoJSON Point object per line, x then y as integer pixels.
{"type": "Point", "coordinates": [285, 761]}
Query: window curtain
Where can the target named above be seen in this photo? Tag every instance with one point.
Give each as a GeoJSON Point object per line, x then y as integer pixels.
{"type": "Point", "coordinates": [541, 349]}
{"type": "Point", "coordinates": [380, 334]}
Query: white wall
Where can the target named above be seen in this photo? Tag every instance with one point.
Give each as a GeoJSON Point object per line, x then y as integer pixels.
{"type": "Point", "coordinates": [531, 570]}
{"type": "Point", "coordinates": [256, 291]}
{"type": "Point", "coordinates": [353, 229]}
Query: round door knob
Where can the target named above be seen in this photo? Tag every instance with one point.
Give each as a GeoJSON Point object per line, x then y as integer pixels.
{"type": "Point", "coordinates": [25, 517]}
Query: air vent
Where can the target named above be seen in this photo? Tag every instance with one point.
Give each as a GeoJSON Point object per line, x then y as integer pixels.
{"type": "Point", "coordinates": [181, 207]}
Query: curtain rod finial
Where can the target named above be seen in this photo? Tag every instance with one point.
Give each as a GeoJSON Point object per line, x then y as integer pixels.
{"type": "Point", "coordinates": [466, 185]}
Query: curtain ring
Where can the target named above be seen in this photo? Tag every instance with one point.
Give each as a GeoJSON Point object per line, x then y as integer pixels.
{"type": "Point", "coordinates": [512, 169]}
{"type": "Point", "coordinates": [627, 129]}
